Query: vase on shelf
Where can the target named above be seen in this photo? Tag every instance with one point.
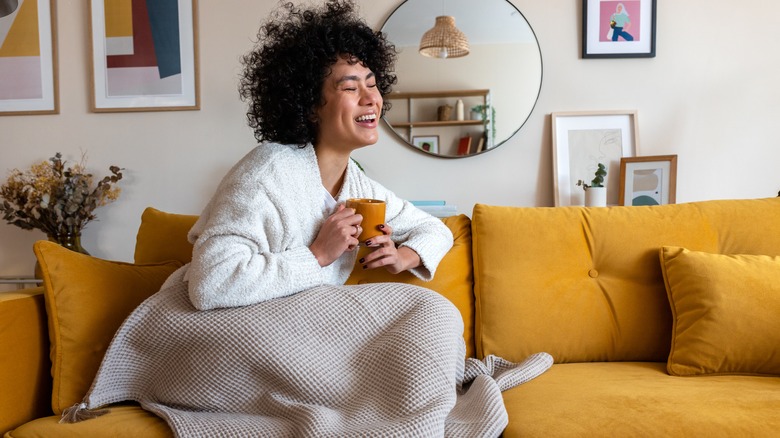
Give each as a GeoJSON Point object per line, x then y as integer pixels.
{"type": "Point", "coordinates": [71, 241]}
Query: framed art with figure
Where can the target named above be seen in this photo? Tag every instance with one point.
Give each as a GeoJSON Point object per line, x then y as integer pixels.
{"type": "Point", "coordinates": [28, 57]}
{"type": "Point", "coordinates": [144, 55]}
{"type": "Point", "coordinates": [618, 29]}
{"type": "Point", "coordinates": [582, 140]}
{"type": "Point", "coordinates": [648, 180]}
{"type": "Point", "coordinates": [428, 143]}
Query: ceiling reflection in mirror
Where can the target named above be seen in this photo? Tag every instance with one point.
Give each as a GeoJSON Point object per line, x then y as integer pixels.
{"type": "Point", "coordinates": [498, 82]}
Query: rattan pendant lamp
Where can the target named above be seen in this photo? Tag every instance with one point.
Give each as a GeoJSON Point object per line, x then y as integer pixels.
{"type": "Point", "coordinates": [444, 40]}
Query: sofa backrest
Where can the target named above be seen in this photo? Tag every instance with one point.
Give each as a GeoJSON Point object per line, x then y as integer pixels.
{"type": "Point", "coordinates": [163, 236]}
{"type": "Point", "coordinates": [585, 284]}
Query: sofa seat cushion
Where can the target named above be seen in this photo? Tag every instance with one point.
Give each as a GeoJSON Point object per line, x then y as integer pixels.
{"type": "Point", "coordinates": [641, 399]}
{"type": "Point", "coordinates": [126, 420]}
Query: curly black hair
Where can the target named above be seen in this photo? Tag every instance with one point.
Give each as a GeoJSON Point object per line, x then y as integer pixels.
{"type": "Point", "coordinates": [284, 73]}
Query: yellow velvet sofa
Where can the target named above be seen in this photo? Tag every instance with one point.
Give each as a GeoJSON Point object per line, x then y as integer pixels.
{"type": "Point", "coordinates": [663, 321]}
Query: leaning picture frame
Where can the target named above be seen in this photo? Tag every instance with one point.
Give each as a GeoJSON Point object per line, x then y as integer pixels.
{"type": "Point", "coordinates": [28, 58]}
{"type": "Point", "coordinates": [583, 139]}
{"type": "Point", "coordinates": [618, 29]}
{"type": "Point", "coordinates": [650, 180]}
{"type": "Point", "coordinates": [144, 55]}
{"type": "Point", "coordinates": [427, 143]}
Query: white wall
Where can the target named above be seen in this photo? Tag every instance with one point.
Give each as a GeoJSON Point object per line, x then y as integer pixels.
{"type": "Point", "coordinates": [711, 96]}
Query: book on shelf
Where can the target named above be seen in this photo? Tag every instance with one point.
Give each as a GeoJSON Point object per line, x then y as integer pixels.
{"type": "Point", "coordinates": [464, 145]}
{"type": "Point", "coordinates": [419, 203]}
{"type": "Point", "coordinates": [480, 144]}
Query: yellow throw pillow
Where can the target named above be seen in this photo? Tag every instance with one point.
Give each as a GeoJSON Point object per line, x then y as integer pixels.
{"type": "Point", "coordinates": [87, 299]}
{"type": "Point", "coordinates": [726, 312]}
{"type": "Point", "coordinates": [163, 236]}
{"type": "Point", "coordinates": [453, 279]}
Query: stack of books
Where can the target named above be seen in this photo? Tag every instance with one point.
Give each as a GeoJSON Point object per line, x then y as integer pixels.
{"type": "Point", "coordinates": [436, 208]}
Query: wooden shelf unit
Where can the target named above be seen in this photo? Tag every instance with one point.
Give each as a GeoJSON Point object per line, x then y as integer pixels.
{"type": "Point", "coordinates": [413, 121]}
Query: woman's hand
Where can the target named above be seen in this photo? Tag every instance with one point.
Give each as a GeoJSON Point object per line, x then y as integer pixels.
{"type": "Point", "coordinates": [338, 234]}
{"type": "Point", "coordinates": [386, 254]}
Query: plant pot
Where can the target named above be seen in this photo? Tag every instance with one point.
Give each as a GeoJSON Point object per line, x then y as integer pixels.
{"type": "Point", "coordinates": [596, 197]}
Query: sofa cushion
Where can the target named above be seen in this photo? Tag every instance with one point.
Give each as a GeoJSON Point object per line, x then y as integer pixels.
{"type": "Point", "coordinates": [123, 421]}
{"type": "Point", "coordinates": [632, 399]}
{"type": "Point", "coordinates": [725, 310]}
{"type": "Point", "coordinates": [86, 301]}
{"type": "Point", "coordinates": [163, 236]}
{"type": "Point", "coordinates": [583, 284]}
{"type": "Point", "coordinates": [25, 382]}
{"type": "Point", "coordinates": [453, 277]}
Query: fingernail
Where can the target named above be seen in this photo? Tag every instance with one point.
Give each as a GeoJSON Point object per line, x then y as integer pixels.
{"type": "Point", "coordinates": [368, 243]}
{"type": "Point", "coordinates": [363, 260]}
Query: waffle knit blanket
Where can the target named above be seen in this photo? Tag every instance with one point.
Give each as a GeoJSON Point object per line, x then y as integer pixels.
{"type": "Point", "coordinates": [372, 360]}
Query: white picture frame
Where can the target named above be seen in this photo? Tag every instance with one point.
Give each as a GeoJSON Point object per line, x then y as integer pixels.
{"type": "Point", "coordinates": [427, 143]}
{"type": "Point", "coordinates": [580, 141]}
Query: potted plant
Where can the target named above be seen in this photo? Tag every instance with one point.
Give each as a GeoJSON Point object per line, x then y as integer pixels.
{"type": "Point", "coordinates": [57, 199]}
{"type": "Point", "coordinates": [479, 112]}
{"type": "Point", "coordinates": [596, 193]}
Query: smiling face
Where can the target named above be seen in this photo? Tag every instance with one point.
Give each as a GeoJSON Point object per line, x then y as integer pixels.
{"type": "Point", "coordinates": [349, 117]}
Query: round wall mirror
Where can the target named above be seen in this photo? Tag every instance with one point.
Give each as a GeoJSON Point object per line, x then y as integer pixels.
{"type": "Point", "coordinates": [456, 107]}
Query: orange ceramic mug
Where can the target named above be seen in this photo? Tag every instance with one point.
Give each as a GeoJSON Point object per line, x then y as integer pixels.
{"type": "Point", "coordinates": [373, 212]}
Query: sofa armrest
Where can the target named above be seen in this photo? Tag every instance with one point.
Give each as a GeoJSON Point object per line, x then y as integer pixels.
{"type": "Point", "coordinates": [25, 368]}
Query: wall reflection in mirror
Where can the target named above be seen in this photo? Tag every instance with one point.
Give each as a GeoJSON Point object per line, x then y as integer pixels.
{"type": "Point", "coordinates": [497, 84]}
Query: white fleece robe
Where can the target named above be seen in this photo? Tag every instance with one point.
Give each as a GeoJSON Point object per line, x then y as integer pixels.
{"type": "Point", "coordinates": [251, 243]}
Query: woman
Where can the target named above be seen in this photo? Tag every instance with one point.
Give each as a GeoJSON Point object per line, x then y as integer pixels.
{"type": "Point", "coordinates": [277, 224]}
{"type": "Point", "coordinates": [620, 23]}
{"type": "Point", "coordinates": [288, 350]}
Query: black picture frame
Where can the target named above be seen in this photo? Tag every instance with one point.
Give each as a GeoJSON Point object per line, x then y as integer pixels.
{"type": "Point", "coordinates": [596, 29]}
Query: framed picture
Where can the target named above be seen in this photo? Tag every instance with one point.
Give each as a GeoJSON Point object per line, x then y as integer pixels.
{"type": "Point", "coordinates": [144, 55]}
{"type": "Point", "coordinates": [648, 180]}
{"type": "Point", "coordinates": [618, 29]}
{"type": "Point", "coordinates": [582, 140]}
{"type": "Point", "coordinates": [28, 57]}
{"type": "Point", "coordinates": [428, 143]}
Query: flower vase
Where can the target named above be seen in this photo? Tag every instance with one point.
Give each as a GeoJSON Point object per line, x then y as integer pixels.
{"type": "Point", "coordinates": [71, 241]}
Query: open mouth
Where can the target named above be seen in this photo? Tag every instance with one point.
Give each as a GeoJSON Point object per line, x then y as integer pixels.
{"type": "Point", "coordinates": [367, 118]}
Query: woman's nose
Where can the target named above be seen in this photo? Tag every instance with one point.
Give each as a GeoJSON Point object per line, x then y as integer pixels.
{"type": "Point", "coordinates": [369, 96]}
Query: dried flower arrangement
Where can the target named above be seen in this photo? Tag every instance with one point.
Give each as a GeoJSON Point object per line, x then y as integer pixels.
{"type": "Point", "coordinates": [54, 198]}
